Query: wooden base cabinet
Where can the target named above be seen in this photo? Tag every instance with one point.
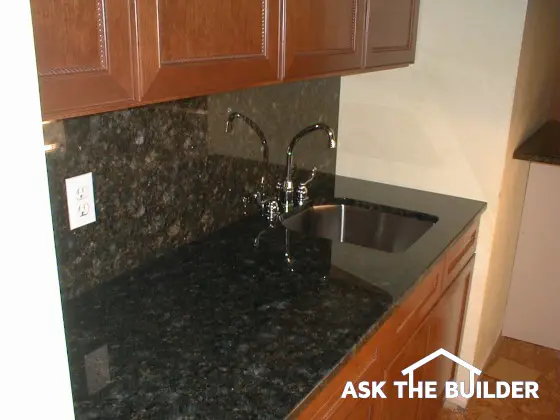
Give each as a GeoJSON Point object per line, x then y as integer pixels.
{"type": "Point", "coordinates": [393, 407]}
{"type": "Point", "coordinates": [363, 411]}
{"type": "Point", "coordinates": [430, 318]}
{"type": "Point", "coordinates": [445, 324]}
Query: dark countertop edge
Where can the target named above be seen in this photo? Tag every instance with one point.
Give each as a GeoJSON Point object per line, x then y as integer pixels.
{"type": "Point", "coordinates": [543, 146]}
{"type": "Point", "coordinates": [304, 403]}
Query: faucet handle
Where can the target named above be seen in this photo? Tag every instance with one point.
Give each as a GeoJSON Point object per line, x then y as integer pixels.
{"type": "Point", "coordinates": [268, 205]}
{"type": "Point", "coordinates": [311, 178]}
{"type": "Point", "coordinates": [302, 191]}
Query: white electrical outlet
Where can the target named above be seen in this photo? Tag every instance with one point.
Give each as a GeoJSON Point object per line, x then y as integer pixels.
{"type": "Point", "coordinates": [81, 200]}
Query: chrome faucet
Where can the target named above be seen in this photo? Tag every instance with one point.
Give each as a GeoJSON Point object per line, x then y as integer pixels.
{"type": "Point", "coordinates": [268, 205]}
{"type": "Point", "coordinates": [229, 129]}
{"type": "Point", "coordinates": [288, 185]}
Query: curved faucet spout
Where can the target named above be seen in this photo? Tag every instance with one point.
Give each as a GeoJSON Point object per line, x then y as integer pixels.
{"type": "Point", "coordinates": [299, 136]}
{"type": "Point", "coordinates": [229, 128]}
{"type": "Point", "coordinates": [288, 186]}
{"type": "Point", "coordinates": [311, 129]}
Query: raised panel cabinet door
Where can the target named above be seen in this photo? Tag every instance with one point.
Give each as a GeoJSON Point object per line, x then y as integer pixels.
{"type": "Point", "coordinates": [322, 37]}
{"type": "Point", "coordinates": [84, 55]}
{"type": "Point", "coordinates": [391, 32]}
{"type": "Point", "coordinates": [367, 408]}
{"type": "Point", "coordinates": [196, 47]}
{"type": "Point", "coordinates": [393, 407]}
{"type": "Point", "coordinates": [446, 326]}
{"type": "Point", "coordinates": [448, 317]}
{"type": "Point", "coordinates": [328, 404]}
{"type": "Point", "coordinates": [361, 412]}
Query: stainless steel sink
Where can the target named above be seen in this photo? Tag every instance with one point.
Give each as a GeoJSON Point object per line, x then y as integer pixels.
{"type": "Point", "coordinates": [378, 228]}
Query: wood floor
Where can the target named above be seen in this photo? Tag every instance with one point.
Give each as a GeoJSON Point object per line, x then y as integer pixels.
{"type": "Point", "coordinates": [546, 407]}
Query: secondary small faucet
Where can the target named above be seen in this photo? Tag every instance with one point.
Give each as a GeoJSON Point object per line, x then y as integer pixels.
{"type": "Point", "coordinates": [269, 205]}
{"type": "Point", "coordinates": [288, 186]}
{"type": "Point", "coordinates": [229, 129]}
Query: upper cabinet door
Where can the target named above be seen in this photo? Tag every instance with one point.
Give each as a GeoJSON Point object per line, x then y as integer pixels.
{"type": "Point", "coordinates": [391, 32]}
{"type": "Point", "coordinates": [196, 47]}
{"type": "Point", "coordinates": [84, 55]}
{"type": "Point", "coordinates": [323, 37]}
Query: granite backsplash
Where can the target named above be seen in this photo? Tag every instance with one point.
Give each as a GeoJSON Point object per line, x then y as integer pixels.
{"type": "Point", "coordinates": [168, 174]}
{"type": "Point", "coordinates": [281, 111]}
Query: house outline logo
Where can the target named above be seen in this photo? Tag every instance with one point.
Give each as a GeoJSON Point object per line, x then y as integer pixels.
{"type": "Point", "coordinates": [441, 352]}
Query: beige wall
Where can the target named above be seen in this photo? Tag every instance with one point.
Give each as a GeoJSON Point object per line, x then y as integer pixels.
{"type": "Point", "coordinates": [442, 124]}
{"type": "Point", "coordinates": [535, 84]}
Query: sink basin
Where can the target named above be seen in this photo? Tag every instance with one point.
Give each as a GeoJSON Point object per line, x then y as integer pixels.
{"type": "Point", "coordinates": [384, 229]}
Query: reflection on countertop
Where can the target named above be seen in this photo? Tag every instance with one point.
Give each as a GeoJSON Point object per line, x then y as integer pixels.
{"type": "Point", "coordinates": [221, 329]}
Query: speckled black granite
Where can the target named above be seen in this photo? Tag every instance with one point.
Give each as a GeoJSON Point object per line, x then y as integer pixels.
{"type": "Point", "coordinates": [221, 329]}
{"type": "Point", "coordinates": [543, 146]}
{"type": "Point", "coordinates": [281, 111]}
{"type": "Point", "coordinates": [160, 178]}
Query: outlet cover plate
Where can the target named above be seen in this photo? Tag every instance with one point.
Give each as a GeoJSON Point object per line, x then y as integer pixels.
{"type": "Point", "coordinates": [81, 200]}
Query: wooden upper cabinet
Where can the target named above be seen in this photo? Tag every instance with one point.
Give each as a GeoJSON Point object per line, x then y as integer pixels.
{"type": "Point", "coordinates": [196, 47]}
{"type": "Point", "coordinates": [322, 37]}
{"type": "Point", "coordinates": [391, 32]}
{"type": "Point", "coordinates": [84, 55]}
{"type": "Point", "coordinates": [101, 55]}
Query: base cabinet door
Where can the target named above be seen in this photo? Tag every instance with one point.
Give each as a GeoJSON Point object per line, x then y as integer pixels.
{"type": "Point", "coordinates": [391, 32]}
{"type": "Point", "coordinates": [84, 55]}
{"type": "Point", "coordinates": [430, 318]}
{"type": "Point", "coordinates": [403, 408]}
{"type": "Point", "coordinates": [196, 47]}
{"type": "Point", "coordinates": [322, 37]}
{"type": "Point", "coordinates": [361, 412]}
{"type": "Point", "coordinates": [446, 325]}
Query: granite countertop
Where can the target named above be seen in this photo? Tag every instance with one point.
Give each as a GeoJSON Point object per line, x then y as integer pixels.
{"type": "Point", "coordinates": [543, 146]}
{"type": "Point", "coordinates": [221, 329]}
